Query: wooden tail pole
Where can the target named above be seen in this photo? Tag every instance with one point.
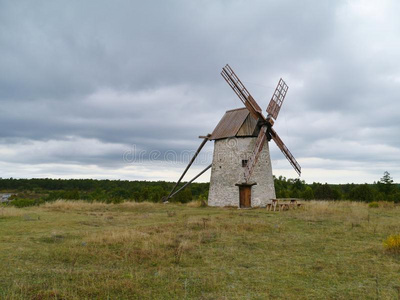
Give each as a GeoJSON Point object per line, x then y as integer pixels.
{"type": "Point", "coordinates": [186, 184]}
{"type": "Point", "coordinates": [188, 166]}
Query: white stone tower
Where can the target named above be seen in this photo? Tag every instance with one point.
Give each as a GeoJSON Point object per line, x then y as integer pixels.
{"type": "Point", "coordinates": [232, 149]}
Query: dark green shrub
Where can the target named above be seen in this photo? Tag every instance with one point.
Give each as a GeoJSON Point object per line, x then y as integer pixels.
{"type": "Point", "coordinates": [23, 202]}
{"type": "Point", "coordinates": [373, 205]}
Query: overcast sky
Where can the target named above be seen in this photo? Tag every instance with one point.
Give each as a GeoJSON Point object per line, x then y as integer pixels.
{"type": "Point", "coordinates": [119, 89]}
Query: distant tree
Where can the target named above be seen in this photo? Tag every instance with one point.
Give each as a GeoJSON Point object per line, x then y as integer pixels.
{"type": "Point", "coordinates": [120, 193]}
{"type": "Point", "coordinates": [336, 193]}
{"type": "Point", "coordinates": [98, 195]}
{"type": "Point", "coordinates": [395, 197]}
{"type": "Point", "coordinates": [308, 193]}
{"type": "Point", "coordinates": [325, 192]}
{"type": "Point", "coordinates": [298, 184]}
{"type": "Point", "coordinates": [385, 185]}
{"type": "Point", "coordinates": [362, 193]}
{"type": "Point", "coordinates": [156, 194]}
{"type": "Point", "coordinates": [386, 178]}
{"type": "Point", "coordinates": [295, 193]}
{"type": "Point", "coordinates": [183, 196]}
{"type": "Point", "coordinates": [346, 189]}
{"type": "Point", "coordinates": [379, 196]}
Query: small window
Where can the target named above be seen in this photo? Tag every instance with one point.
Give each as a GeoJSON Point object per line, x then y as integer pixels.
{"type": "Point", "coordinates": [244, 163]}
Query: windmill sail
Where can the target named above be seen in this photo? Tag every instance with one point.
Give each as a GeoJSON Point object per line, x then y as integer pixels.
{"type": "Point", "coordinates": [248, 170]}
{"type": "Point", "coordinates": [279, 95]}
{"type": "Point", "coordinates": [240, 90]}
{"type": "Point", "coordinates": [285, 151]}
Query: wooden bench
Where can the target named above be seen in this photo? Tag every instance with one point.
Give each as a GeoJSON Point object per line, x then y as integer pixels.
{"type": "Point", "coordinates": [275, 205]}
{"type": "Point", "coordinates": [284, 206]}
{"type": "Point", "coordinates": [272, 205]}
{"type": "Point", "coordinates": [293, 203]}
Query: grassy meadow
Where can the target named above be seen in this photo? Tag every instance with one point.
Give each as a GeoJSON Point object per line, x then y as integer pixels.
{"type": "Point", "coordinates": [78, 250]}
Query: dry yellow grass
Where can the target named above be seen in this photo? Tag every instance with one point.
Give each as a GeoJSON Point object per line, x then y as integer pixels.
{"type": "Point", "coordinates": [137, 205]}
{"type": "Point", "coordinates": [10, 211]}
{"type": "Point", "coordinates": [197, 203]}
{"type": "Point", "coordinates": [194, 203]}
{"type": "Point", "coordinates": [64, 205]}
{"type": "Point", "coordinates": [337, 210]}
{"type": "Point", "coordinates": [386, 204]}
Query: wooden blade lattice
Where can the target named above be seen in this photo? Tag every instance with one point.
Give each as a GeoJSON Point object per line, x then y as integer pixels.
{"type": "Point", "coordinates": [248, 169]}
{"type": "Point", "coordinates": [285, 151]}
{"type": "Point", "coordinates": [279, 95]}
{"type": "Point", "coordinates": [243, 94]}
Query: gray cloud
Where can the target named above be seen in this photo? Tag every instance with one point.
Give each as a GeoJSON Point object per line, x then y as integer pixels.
{"type": "Point", "coordinates": [81, 82]}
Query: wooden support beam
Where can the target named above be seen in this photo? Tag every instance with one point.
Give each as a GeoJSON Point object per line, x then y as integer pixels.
{"type": "Point", "coordinates": [186, 184]}
{"type": "Point", "coordinates": [188, 166]}
{"type": "Point", "coordinates": [205, 136]}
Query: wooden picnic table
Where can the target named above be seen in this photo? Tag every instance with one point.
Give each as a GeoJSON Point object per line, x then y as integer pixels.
{"type": "Point", "coordinates": [274, 204]}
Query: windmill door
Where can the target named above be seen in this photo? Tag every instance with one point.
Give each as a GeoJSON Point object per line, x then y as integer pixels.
{"type": "Point", "coordinates": [245, 196]}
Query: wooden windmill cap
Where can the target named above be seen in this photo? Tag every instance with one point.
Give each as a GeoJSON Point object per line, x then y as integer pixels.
{"type": "Point", "coordinates": [235, 123]}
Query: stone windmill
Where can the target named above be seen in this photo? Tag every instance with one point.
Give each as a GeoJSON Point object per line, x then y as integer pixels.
{"type": "Point", "coordinates": [241, 173]}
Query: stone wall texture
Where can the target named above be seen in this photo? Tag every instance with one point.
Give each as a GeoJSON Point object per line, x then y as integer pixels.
{"type": "Point", "coordinates": [227, 171]}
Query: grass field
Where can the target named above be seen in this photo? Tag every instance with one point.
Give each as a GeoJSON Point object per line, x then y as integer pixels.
{"type": "Point", "coordinates": [77, 250]}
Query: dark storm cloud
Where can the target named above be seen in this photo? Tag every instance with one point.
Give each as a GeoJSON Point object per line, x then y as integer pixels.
{"type": "Point", "coordinates": [81, 82]}
{"type": "Point", "coordinates": [60, 49]}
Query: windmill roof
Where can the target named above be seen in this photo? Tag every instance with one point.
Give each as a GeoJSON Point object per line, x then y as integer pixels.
{"type": "Point", "coordinates": [232, 122]}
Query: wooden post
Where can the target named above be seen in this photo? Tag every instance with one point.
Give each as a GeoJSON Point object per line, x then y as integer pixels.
{"type": "Point", "coordinates": [198, 175]}
{"type": "Point", "coordinates": [188, 166]}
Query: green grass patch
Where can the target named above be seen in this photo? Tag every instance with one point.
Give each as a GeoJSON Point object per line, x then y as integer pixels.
{"type": "Point", "coordinates": [78, 250]}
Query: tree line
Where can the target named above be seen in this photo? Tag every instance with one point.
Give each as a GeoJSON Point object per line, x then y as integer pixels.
{"type": "Point", "coordinates": [382, 190]}
{"type": "Point", "coordinates": [36, 191]}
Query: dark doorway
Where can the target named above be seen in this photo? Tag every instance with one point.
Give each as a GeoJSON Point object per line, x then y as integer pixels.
{"type": "Point", "coordinates": [244, 196]}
